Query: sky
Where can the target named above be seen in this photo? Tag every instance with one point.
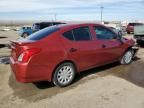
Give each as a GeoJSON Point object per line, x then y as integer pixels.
{"type": "Point", "coordinates": [75, 10]}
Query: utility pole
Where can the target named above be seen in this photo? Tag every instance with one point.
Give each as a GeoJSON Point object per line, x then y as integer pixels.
{"type": "Point", "coordinates": [101, 8]}
{"type": "Point", "coordinates": [55, 16]}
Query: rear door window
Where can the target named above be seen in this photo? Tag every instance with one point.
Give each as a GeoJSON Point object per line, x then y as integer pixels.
{"type": "Point", "coordinates": [78, 34]}
{"type": "Point", "coordinates": [82, 33]}
{"type": "Point", "coordinates": [42, 33]}
{"type": "Point", "coordinates": [69, 35]}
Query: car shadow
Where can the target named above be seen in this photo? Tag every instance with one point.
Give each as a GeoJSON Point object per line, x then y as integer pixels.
{"type": "Point", "coordinates": [84, 74]}
{"type": "Point", "coordinates": [77, 80]}
{"type": "Point", "coordinates": [133, 73]}
{"type": "Point", "coordinates": [43, 84]}
{"type": "Point", "coordinates": [136, 58]}
{"type": "Point", "coordinates": [41, 90]}
{"type": "Point", "coordinates": [98, 70]}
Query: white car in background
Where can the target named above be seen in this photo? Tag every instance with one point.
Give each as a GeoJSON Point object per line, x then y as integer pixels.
{"type": "Point", "coordinates": [5, 29]}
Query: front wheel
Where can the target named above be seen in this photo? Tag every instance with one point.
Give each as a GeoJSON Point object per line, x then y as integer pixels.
{"type": "Point", "coordinates": [127, 57]}
{"type": "Point", "coordinates": [64, 74]}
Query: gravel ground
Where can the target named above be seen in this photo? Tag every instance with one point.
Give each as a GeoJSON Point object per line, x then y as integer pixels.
{"type": "Point", "coordinates": [110, 86]}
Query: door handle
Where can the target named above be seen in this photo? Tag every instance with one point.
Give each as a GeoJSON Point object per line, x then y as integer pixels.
{"type": "Point", "coordinates": [73, 50]}
{"type": "Point", "coordinates": [103, 46]}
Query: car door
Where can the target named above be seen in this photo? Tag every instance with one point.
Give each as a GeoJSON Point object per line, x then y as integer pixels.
{"type": "Point", "coordinates": [81, 47]}
{"type": "Point", "coordinates": [111, 47]}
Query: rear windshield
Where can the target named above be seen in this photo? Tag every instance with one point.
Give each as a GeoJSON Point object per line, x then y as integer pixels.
{"type": "Point", "coordinates": [42, 33]}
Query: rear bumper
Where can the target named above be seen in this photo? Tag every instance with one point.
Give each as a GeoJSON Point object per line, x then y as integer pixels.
{"type": "Point", "coordinates": [26, 73]}
{"type": "Point", "coordinates": [19, 70]}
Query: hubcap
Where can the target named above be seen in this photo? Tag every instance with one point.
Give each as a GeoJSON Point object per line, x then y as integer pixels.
{"type": "Point", "coordinates": [128, 56]}
{"type": "Point", "coordinates": [65, 75]}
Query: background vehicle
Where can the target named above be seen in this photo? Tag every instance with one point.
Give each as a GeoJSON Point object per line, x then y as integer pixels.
{"type": "Point", "coordinates": [130, 27]}
{"type": "Point", "coordinates": [5, 29]}
{"type": "Point", "coordinates": [139, 33]}
{"type": "Point", "coordinates": [57, 53]}
{"type": "Point", "coordinates": [25, 31]}
{"type": "Point", "coordinates": [42, 25]}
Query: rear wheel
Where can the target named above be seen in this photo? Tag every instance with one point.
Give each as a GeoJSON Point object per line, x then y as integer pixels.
{"type": "Point", "coordinates": [127, 57]}
{"type": "Point", "coordinates": [64, 74]}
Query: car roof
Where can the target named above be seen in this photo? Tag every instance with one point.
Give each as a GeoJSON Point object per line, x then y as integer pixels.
{"type": "Point", "coordinates": [76, 25]}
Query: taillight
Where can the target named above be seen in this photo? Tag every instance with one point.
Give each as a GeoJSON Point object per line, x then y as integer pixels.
{"type": "Point", "coordinates": [26, 55]}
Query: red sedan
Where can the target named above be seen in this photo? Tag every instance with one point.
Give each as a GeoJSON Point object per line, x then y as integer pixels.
{"type": "Point", "coordinates": [57, 53]}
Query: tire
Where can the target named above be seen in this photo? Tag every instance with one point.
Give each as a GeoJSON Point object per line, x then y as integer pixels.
{"type": "Point", "coordinates": [127, 57]}
{"type": "Point", "coordinates": [25, 35]}
{"type": "Point", "coordinates": [64, 74]}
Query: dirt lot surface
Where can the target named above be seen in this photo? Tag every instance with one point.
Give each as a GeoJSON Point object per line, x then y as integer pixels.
{"type": "Point", "coordinates": [110, 86]}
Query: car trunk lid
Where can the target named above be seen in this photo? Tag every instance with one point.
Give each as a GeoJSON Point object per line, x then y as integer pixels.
{"type": "Point", "coordinates": [18, 46]}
